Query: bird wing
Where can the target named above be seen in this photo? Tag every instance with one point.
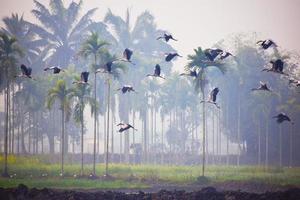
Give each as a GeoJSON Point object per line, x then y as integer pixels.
{"type": "Point", "coordinates": [157, 70]}
{"type": "Point", "coordinates": [169, 57]}
{"type": "Point", "coordinates": [29, 70]}
{"type": "Point", "coordinates": [84, 76]}
{"type": "Point", "coordinates": [24, 69]}
{"type": "Point", "coordinates": [127, 54]}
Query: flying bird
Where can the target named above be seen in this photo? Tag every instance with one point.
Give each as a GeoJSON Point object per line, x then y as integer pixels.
{"type": "Point", "coordinates": [295, 82]}
{"type": "Point", "coordinates": [265, 44]}
{"type": "Point", "coordinates": [213, 97]}
{"type": "Point", "coordinates": [106, 68]}
{"type": "Point", "coordinates": [156, 72]}
{"type": "Point", "coordinates": [127, 55]}
{"type": "Point", "coordinates": [281, 117]}
{"type": "Point", "coordinates": [56, 70]}
{"type": "Point", "coordinates": [225, 55]}
{"type": "Point", "coordinates": [126, 88]}
{"type": "Point", "coordinates": [211, 54]}
{"type": "Point", "coordinates": [26, 71]}
{"type": "Point", "coordinates": [192, 73]}
{"type": "Point", "coordinates": [125, 127]}
{"type": "Point", "coordinates": [166, 37]}
{"type": "Point", "coordinates": [263, 86]}
{"type": "Point", "coordinates": [277, 67]}
{"type": "Point", "coordinates": [84, 77]}
{"type": "Point", "coordinates": [170, 56]}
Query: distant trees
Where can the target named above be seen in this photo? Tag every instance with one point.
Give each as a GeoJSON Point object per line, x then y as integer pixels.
{"type": "Point", "coordinates": [10, 51]}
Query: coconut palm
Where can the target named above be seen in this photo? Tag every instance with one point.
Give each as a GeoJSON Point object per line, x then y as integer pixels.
{"type": "Point", "coordinates": [200, 61]}
{"type": "Point", "coordinates": [93, 47]}
{"type": "Point", "coordinates": [31, 44]}
{"type": "Point", "coordinates": [61, 93]}
{"type": "Point", "coordinates": [10, 51]}
{"type": "Point", "coordinates": [81, 95]}
{"type": "Point", "coordinates": [62, 28]}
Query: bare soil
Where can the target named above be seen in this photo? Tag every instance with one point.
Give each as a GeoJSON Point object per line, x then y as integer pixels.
{"type": "Point", "coordinates": [220, 191]}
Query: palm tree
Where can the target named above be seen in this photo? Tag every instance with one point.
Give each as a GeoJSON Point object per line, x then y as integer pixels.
{"type": "Point", "coordinates": [9, 53]}
{"type": "Point", "coordinates": [94, 47]}
{"type": "Point", "coordinates": [63, 94]}
{"type": "Point", "coordinates": [202, 63]}
{"type": "Point", "coordinates": [81, 93]}
{"type": "Point", "coordinates": [62, 28]}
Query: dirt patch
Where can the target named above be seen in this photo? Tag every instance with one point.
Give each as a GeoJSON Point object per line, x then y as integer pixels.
{"type": "Point", "coordinates": [207, 193]}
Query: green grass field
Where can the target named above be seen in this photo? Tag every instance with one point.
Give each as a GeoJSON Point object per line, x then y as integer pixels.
{"type": "Point", "coordinates": [29, 171]}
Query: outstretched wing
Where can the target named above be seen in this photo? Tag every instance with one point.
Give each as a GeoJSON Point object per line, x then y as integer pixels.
{"type": "Point", "coordinates": [127, 54]}
{"type": "Point", "coordinates": [157, 70]}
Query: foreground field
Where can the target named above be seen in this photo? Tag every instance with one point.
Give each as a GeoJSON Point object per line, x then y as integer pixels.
{"type": "Point", "coordinates": [35, 173]}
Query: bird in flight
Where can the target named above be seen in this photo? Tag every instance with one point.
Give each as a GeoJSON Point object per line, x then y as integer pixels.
{"type": "Point", "coordinates": [294, 82]}
{"type": "Point", "coordinates": [263, 86]}
{"type": "Point", "coordinates": [124, 127]}
{"type": "Point", "coordinates": [277, 67]}
{"type": "Point", "coordinates": [84, 77]}
{"type": "Point", "coordinates": [281, 117]}
{"type": "Point", "coordinates": [225, 55]}
{"type": "Point", "coordinates": [211, 54]}
{"type": "Point", "coordinates": [126, 88]}
{"type": "Point", "coordinates": [157, 71]}
{"type": "Point", "coordinates": [213, 97]}
{"type": "Point", "coordinates": [166, 37]}
{"type": "Point", "coordinates": [26, 72]}
{"type": "Point", "coordinates": [127, 54]}
{"type": "Point", "coordinates": [56, 70]}
{"type": "Point", "coordinates": [265, 44]}
{"type": "Point", "coordinates": [170, 56]}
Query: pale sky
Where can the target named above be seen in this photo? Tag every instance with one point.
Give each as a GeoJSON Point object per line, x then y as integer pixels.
{"type": "Point", "coordinates": [198, 22]}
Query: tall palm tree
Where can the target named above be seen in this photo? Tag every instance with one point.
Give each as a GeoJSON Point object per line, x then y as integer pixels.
{"type": "Point", "coordinates": [202, 63]}
{"type": "Point", "coordinates": [10, 51]}
{"type": "Point", "coordinates": [63, 94]}
{"type": "Point", "coordinates": [81, 93]}
{"type": "Point", "coordinates": [63, 28]}
{"type": "Point", "coordinates": [94, 47]}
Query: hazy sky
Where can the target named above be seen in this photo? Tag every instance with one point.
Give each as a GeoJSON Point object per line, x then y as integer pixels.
{"type": "Point", "coordinates": [199, 22]}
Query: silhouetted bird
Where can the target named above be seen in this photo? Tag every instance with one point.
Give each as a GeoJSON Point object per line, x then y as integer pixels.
{"type": "Point", "coordinates": [106, 68]}
{"type": "Point", "coordinates": [166, 37]}
{"type": "Point", "coordinates": [277, 67]}
{"type": "Point", "coordinates": [294, 82]}
{"type": "Point", "coordinates": [127, 55]}
{"type": "Point", "coordinates": [156, 72]}
{"type": "Point", "coordinates": [56, 70]}
{"type": "Point", "coordinates": [192, 73]}
{"type": "Point", "coordinates": [126, 88]}
{"type": "Point", "coordinates": [125, 127]}
{"type": "Point", "coordinates": [84, 77]}
{"type": "Point", "coordinates": [265, 44]}
{"type": "Point", "coordinates": [263, 86]}
{"type": "Point", "coordinates": [211, 54]}
{"type": "Point", "coordinates": [225, 55]}
{"type": "Point", "coordinates": [26, 71]}
{"type": "Point", "coordinates": [281, 117]}
{"type": "Point", "coordinates": [170, 56]}
{"type": "Point", "coordinates": [213, 97]}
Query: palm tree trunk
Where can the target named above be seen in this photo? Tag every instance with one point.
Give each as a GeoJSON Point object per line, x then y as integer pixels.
{"type": "Point", "coordinates": [5, 171]}
{"type": "Point", "coordinates": [13, 120]}
{"type": "Point", "coordinates": [239, 129]}
{"type": "Point", "coordinates": [107, 136]}
{"type": "Point", "coordinates": [267, 144]}
{"type": "Point", "coordinates": [95, 121]}
{"type": "Point", "coordinates": [280, 145]}
{"type": "Point", "coordinates": [259, 143]}
{"type": "Point", "coordinates": [291, 148]}
{"type": "Point", "coordinates": [62, 138]}
{"type": "Point", "coordinates": [82, 140]}
{"type": "Point", "coordinates": [112, 136]}
{"type": "Point", "coordinates": [162, 140]}
{"type": "Point", "coordinates": [203, 129]}
{"type": "Point", "coordinates": [213, 138]}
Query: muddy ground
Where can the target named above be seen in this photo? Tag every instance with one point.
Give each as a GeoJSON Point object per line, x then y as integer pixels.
{"type": "Point", "coordinates": [228, 191]}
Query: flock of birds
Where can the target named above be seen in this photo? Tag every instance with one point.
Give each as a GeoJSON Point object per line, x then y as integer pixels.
{"type": "Point", "coordinates": [211, 54]}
